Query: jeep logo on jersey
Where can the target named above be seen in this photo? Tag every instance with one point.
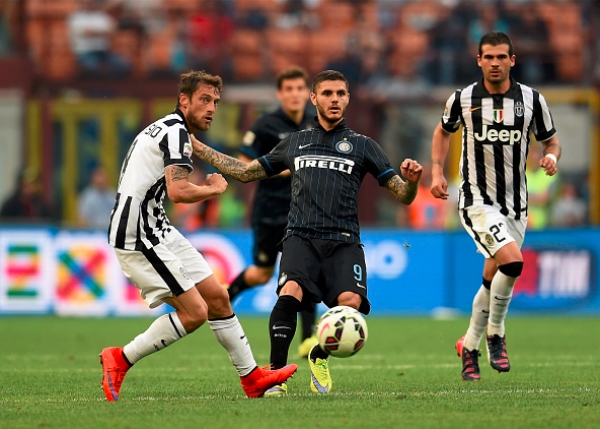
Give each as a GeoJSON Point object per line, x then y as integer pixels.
{"type": "Point", "coordinates": [498, 115]}
{"type": "Point", "coordinates": [321, 161]}
{"type": "Point", "coordinates": [343, 146]}
{"type": "Point", "coordinates": [503, 136]}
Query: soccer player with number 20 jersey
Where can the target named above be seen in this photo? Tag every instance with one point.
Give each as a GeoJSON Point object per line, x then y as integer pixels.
{"type": "Point", "coordinates": [322, 257]}
{"type": "Point", "coordinates": [158, 259]}
{"type": "Point", "coordinates": [498, 115]}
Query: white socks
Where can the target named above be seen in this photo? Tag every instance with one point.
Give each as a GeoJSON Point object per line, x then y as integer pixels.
{"type": "Point", "coordinates": [500, 296]}
{"type": "Point", "coordinates": [479, 319]}
{"type": "Point", "coordinates": [230, 334]}
{"type": "Point", "coordinates": [167, 329]}
{"type": "Point", "coordinates": [163, 332]}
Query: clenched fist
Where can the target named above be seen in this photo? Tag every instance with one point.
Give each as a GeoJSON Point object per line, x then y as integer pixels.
{"type": "Point", "coordinates": [411, 170]}
{"type": "Point", "coordinates": [216, 182]}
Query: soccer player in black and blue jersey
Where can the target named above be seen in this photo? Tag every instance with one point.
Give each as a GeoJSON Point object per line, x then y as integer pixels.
{"type": "Point", "coordinates": [272, 200]}
{"type": "Point", "coordinates": [322, 256]}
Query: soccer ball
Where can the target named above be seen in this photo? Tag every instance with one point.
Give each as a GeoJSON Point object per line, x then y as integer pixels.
{"type": "Point", "coordinates": [342, 331]}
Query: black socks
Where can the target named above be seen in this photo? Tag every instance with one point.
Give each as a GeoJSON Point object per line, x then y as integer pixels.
{"type": "Point", "coordinates": [282, 327]}
{"type": "Point", "coordinates": [317, 352]}
{"type": "Point", "coordinates": [307, 319]}
{"type": "Point", "coordinates": [237, 286]}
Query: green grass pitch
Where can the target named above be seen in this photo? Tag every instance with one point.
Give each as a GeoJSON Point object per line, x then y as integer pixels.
{"type": "Point", "coordinates": [407, 376]}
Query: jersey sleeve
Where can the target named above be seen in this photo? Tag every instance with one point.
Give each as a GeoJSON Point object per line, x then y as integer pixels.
{"type": "Point", "coordinates": [274, 161]}
{"type": "Point", "coordinates": [253, 141]}
{"type": "Point", "coordinates": [543, 125]}
{"type": "Point", "coordinates": [378, 163]}
{"type": "Point", "coordinates": [177, 147]}
{"type": "Point", "coordinates": [451, 118]}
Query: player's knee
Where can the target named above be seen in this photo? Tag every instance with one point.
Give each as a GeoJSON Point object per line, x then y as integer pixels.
{"type": "Point", "coordinates": [512, 269]}
{"type": "Point", "coordinates": [350, 299]}
{"type": "Point", "coordinates": [219, 304]}
{"type": "Point", "coordinates": [292, 288]}
{"type": "Point", "coordinates": [193, 318]}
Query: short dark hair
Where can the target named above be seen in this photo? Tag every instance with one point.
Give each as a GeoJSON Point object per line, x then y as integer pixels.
{"type": "Point", "coordinates": [329, 75]}
{"type": "Point", "coordinates": [496, 38]}
{"type": "Point", "coordinates": [293, 72]}
{"type": "Point", "coordinates": [188, 82]}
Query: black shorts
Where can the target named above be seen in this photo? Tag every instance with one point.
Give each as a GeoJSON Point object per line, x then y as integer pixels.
{"type": "Point", "coordinates": [266, 243]}
{"type": "Point", "coordinates": [324, 269]}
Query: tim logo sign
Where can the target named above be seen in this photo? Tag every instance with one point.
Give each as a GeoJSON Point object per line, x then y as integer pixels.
{"type": "Point", "coordinates": [555, 279]}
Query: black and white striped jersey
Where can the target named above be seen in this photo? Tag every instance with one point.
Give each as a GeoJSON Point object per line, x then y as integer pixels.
{"type": "Point", "coordinates": [327, 169]}
{"type": "Point", "coordinates": [138, 219]}
{"type": "Point", "coordinates": [495, 143]}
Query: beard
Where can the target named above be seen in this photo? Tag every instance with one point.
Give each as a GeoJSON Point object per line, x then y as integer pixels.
{"type": "Point", "coordinates": [323, 114]}
{"type": "Point", "coordinates": [199, 126]}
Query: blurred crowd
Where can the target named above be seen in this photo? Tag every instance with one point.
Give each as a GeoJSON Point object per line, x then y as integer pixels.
{"type": "Point", "coordinates": [251, 40]}
{"type": "Point", "coordinates": [394, 51]}
{"type": "Point", "coordinates": [554, 202]}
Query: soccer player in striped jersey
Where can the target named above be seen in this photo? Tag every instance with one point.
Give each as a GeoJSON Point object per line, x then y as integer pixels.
{"type": "Point", "coordinates": [158, 259]}
{"type": "Point", "coordinates": [498, 115]}
{"type": "Point", "coordinates": [322, 258]}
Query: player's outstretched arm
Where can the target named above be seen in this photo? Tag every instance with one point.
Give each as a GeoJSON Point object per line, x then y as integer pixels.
{"type": "Point", "coordinates": [440, 143]}
{"type": "Point", "coordinates": [235, 168]}
{"type": "Point", "coordinates": [180, 190]}
{"type": "Point", "coordinates": [247, 160]}
{"type": "Point", "coordinates": [406, 191]}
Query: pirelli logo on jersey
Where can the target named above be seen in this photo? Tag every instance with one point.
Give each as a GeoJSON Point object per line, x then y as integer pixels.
{"type": "Point", "coordinates": [322, 161]}
{"type": "Point", "coordinates": [492, 135]}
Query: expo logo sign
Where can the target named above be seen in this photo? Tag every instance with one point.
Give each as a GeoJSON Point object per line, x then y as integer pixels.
{"type": "Point", "coordinates": [386, 259]}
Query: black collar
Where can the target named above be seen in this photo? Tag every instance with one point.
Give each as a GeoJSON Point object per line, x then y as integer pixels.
{"type": "Point", "coordinates": [177, 111]}
{"type": "Point", "coordinates": [284, 116]}
{"type": "Point", "coordinates": [338, 127]}
{"type": "Point", "coordinates": [482, 91]}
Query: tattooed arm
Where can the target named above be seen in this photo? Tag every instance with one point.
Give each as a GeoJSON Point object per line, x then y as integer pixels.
{"type": "Point", "coordinates": [229, 165]}
{"type": "Point", "coordinates": [406, 191]}
{"type": "Point", "coordinates": [180, 190]}
{"type": "Point", "coordinates": [247, 160]}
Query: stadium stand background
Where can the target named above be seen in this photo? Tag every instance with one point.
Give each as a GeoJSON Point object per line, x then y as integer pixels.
{"type": "Point", "coordinates": [402, 58]}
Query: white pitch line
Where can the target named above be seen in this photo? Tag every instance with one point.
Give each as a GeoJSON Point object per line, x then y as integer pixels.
{"type": "Point", "coordinates": [335, 366]}
{"type": "Point", "coordinates": [405, 394]}
{"type": "Point", "coordinates": [457, 364]}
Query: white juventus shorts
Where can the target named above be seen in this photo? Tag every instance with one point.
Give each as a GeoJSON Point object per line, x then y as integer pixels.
{"type": "Point", "coordinates": [168, 269]}
{"type": "Point", "coordinates": [490, 229]}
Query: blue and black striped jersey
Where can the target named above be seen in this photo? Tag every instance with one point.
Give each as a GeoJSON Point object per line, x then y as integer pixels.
{"type": "Point", "coordinates": [327, 169]}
